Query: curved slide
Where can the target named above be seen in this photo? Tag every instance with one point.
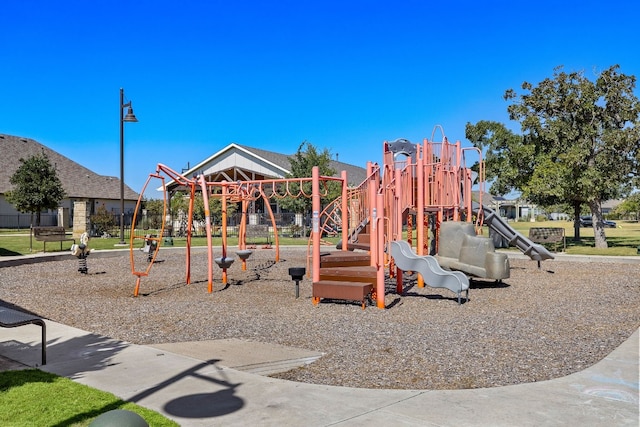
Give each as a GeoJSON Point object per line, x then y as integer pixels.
{"type": "Point", "coordinates": [534, 251]}
{"type": "Point", "coordinates": [433, 275]}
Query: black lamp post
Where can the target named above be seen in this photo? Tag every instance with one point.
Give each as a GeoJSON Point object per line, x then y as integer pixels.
{"type": "Point", "coordinates": [130, 117]}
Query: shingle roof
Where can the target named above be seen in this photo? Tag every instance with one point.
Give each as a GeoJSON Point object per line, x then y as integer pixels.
{"type": "Point", "coordinates": [77, 181]}
{"type": "Point", "coordinates": [355, 174]}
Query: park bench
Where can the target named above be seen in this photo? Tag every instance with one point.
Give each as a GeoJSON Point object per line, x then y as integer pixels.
{"type": "Point", "coordinates": [258, 231]}
{"type": "Point", "coordinates": [51, 234]}
{"type": "Point", "coordinates": [10, 318]}
{"type": "Point", "coordinates": [553, 235]}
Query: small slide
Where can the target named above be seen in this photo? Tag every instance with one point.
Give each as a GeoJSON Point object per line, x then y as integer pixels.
{"type": "Point", "coordinates": [433, 275]}
{"type": "Point", "coordinates": [534, 251]}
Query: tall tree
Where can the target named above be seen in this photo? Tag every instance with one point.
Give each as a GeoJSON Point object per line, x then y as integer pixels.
{"type": "Point", "coordinates": [36, 186]}
{"type": "Point", "coordinates": [631, 206]}
{"type": "Point", "coordinates": [580, 142]}
{"type": "Point", "coordinates": [155, 209]}
{"type": "Point", "coordinates": [179, 207]}
{"type": "Point", "coordinates": [302, 163]}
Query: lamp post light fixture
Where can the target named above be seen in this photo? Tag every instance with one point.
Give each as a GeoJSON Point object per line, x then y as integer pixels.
{"type": "Point", "coordinates": [130, 117]}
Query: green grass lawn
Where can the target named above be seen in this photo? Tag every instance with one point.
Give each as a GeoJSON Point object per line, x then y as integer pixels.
{"type": "Point", "coordinates": [623, 240]}
{"type": "Point", "coordinates": [32, 397]}
{"type": "Point", "coordinates": [20, 243]}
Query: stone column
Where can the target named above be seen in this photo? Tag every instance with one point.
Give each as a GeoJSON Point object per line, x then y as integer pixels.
{"type": "Point", "coordinates": [81, 223]}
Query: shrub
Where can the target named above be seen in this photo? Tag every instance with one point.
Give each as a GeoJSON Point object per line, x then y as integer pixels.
{"type": "Point", "coordinates": [102, 221]}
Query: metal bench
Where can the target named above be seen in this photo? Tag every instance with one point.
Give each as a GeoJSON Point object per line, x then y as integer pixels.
{"type": "Point", "coordinates": [256, 231]}
{"type": "Point", "coordinates": [553, 235]}
{"type": "Point", "coordinates": [10, 318]}
{"type": "Point", "coordinates": [51, 234]}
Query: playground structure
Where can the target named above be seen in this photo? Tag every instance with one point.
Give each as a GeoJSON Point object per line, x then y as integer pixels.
{"type": "Point", "coordinates": [240, 192]}
{"type": "Point", "coordinates": [418, 188]}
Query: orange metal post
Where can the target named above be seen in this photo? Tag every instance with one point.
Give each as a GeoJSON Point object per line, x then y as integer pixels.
{"type": "Point", "coordinates": [188, 231]}
{"type": "Point", "coordinates": [373, 223]}
{"type": "Point", "coordinates": [345, 213]}
{"type": "Point", "coordinates": [420, 206]}
{"type": "Point", "coordinates": [225, 192]}
{"type": "Point", "coordinates": [315, 221]}
{"type": "Point", "coordinates": [242, 243]}
{"type": "Point", "coordinates": [379, 254]}
{"type": "Point", "coordinates": [137, 288]}
{"type": "Point", "coordinates": [425, 229]}
{"type": "Point", "coordinates": [207, 223]}
{"type": "Point", "coordinates": [466, 197]}
{"type": "Point", "coordinates": [276, 241]}
{"type": "Point", "coordinates": [457, 181]}
{"type": "Point", "coordinates": [398, 205]}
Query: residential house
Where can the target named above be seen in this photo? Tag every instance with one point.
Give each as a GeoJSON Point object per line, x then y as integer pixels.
{"type": "Point", "coordinates": [511, 210]}
{"type": "Point", "coordinates": [79, 183]}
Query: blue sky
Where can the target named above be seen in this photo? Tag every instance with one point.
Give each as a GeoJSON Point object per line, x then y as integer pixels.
{"type": "Point", "coordinates": [343, 75]}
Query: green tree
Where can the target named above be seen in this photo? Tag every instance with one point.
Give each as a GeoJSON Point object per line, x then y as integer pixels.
{"type": "Point", "coordinates": [154, 206]}
{"type": "Point", "coordinates": [36, 186]}
{"type": "Point", "coordinates": [103, 220]}
{"type": "Point", "coordinates": [180, 207]}
{"type": "Point", "coordinates": [154, 209]}
{"type": "Point", "coordinates": [302, 163]}
{"type": "Point", "coordinates": [580, 143]}
{"type": "Point", "coordinates": [629, 207]}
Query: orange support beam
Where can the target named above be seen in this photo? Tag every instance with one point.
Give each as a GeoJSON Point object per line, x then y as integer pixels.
{"type": "Point", "coordinates": [379, 254]}
{"type": "Point", "coordinates": [207, 223]}
{"type": "Point", "coordinates": [345, 211]}
{"type": "Point", "coordinates": [420, 206]}
{"type": "Point", "coordinates": [315, 221]}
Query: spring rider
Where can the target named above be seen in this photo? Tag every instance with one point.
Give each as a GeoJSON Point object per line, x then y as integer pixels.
{"type": "Point", "coordinates": [81, 251]}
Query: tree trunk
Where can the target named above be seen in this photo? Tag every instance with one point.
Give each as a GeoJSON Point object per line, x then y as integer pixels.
{"type": "Point", "coordinates": [598, 225]}
{"type": "Point", "coordinates": [576, 221]}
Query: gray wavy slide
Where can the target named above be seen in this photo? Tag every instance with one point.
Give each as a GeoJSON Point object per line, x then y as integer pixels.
{"type": "Point", "coordinates": [433, 275]}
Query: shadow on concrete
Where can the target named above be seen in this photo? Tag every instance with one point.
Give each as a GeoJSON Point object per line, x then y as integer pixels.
{"type": "Point", "coordinates": [198, 405]}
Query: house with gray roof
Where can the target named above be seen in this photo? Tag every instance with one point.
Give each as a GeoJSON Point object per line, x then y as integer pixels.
{"type": "Point", "coordinates": [79, 183]}
{"type": "Point", "coordinates": [237, 162]}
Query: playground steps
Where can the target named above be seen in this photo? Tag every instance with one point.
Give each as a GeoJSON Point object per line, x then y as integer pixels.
{"type": "Point", "coordinates": [362, 241]}
{"type": "Point", "coordinates": [349, 274]}
{"type": "Point", "coordinates": [345, 275]}
{"type": "Point", "coordinates": [364, 238]}
{"type": "Point", "coordinates": [359, 238]}
{"type": "Point", "coordinates": [357, 245]}
{"type": "Point", "coordinates": [345, 259]}
{"type": "Point", "coordinates": [349, 291]}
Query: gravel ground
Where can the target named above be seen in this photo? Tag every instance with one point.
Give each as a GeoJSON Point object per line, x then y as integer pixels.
{"type": "Point", "coordinates": [537, 325]}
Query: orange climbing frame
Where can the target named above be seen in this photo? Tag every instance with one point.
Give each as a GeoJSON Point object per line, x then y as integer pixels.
{"type": "Point", "coordinates": [238, 192]}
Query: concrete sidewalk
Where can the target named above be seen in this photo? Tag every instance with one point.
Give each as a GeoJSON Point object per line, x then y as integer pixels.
{"type": "Point", "coordinates": [213, 383]}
